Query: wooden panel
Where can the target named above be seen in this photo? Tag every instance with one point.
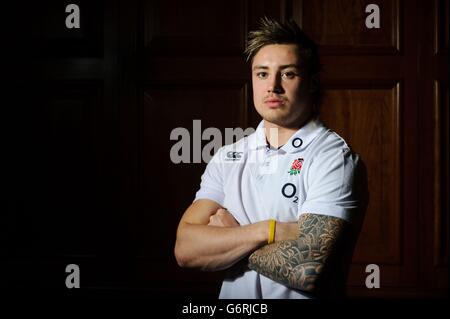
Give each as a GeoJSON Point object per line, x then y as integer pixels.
{"type": "Point", "coordinates": [62, 159]}
{"type": "Point", "coordinates": [435, 145]}
{"type": "Point", "coordinates": [51, 37]}
{"type": "Point", "coordinates": [275, 9]}
{"type": "Point", "coordinates": [169, 188]}
{"type": "Point", "coordinates": [166, 70]}
{"type": "Point", "coordinates": [368, 120]}
{"type": "Point", "coordinates": [441, 26]}
{"type": "Point", "coordinates": [339, 26]}
{"type": "Point", "coordinates": [73, 150]}
{"type": "Point", "coordinates": [441, 174]}
{"type": "Point", "coordinates": [63, 204]}
{"type": "Point", "coordinates": [198, 27]}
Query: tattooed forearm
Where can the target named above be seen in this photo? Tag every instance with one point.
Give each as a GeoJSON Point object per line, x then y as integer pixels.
{"type": "Point", "coordinates": [299, 263]}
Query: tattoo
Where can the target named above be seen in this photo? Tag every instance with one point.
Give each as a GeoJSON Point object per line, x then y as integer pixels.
{"type": "Point", "coordinates": [300, 263]}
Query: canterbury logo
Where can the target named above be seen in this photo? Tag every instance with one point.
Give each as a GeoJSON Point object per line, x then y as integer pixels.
{"type": "Point", "coordinates": [234, 156]}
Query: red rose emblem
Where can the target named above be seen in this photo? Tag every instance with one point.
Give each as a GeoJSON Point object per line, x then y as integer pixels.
{"type": "Point", "coordinates": [296, 167]}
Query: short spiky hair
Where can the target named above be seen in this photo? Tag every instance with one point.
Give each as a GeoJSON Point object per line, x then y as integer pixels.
{"type": "Point", "coordinates": [273, 32]}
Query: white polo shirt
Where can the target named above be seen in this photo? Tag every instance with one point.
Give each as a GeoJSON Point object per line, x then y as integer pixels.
{"type": "Point", "coordinates": [312, 172]}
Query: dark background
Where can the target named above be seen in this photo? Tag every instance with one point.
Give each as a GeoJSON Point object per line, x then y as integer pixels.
{"type": "Point", "coordinates": [87, 113]}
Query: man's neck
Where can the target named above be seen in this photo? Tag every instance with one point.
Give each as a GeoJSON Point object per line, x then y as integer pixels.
{"type": "Point", "coordinates": [278, 135]}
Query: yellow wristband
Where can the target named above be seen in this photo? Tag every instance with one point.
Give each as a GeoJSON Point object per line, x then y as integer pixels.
{"type": "Point", "coordinates": [272, 224]}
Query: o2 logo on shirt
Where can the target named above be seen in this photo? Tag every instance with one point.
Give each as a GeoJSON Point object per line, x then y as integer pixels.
{"type": "Point", "coordinates": [289, 190]}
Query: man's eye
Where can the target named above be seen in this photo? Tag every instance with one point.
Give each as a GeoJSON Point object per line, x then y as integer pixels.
{"type": "Point", "coordinates": [289, 75]}
{"type": "Point", "coordinates": [261, 75]}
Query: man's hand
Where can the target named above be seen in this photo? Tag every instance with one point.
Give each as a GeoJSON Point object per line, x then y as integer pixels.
{"type": "Point", "coordinates": [222, 218]}
{"type": "Point", "coordinates": [215, 243]}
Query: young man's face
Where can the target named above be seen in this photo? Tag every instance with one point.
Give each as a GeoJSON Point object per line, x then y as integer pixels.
{"type": "Point", "coordinates": [279, 93]}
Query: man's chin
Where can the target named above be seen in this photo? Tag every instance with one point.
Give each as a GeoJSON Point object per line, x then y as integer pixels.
{"type": "Point", "coordinates": [276, 120]}
{"type": "Point", "coordinates": [281, 121]}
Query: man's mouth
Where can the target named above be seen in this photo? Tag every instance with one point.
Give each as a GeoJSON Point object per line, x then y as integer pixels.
{"type": "Point", "coordinates": [274, 102]}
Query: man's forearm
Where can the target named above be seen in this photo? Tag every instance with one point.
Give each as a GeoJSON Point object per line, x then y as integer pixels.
{"type": "Point", "coordinates": [215, 248]}
{"type": "Point", "coordinates": [299, 263]}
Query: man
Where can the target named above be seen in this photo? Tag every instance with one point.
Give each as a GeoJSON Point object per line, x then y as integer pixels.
{"type": "Point", "coordinates": [280, 211]}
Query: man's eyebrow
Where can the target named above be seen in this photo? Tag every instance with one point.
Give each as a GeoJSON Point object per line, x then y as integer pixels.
{"type": "Point", "coordinates": [282, 67]}
{"type": "Point", "coordinates": [289, 66]}
{"type": "Point", "coordinates": [260, 67]}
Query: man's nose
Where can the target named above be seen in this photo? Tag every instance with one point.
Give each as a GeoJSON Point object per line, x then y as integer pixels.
{"type": "Point", "coordinates": [275, 85]}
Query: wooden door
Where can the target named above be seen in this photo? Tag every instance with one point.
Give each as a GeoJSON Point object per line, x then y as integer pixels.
{"type": "Point", "coordinates": [373, 98]}
{"type": "Point", "coordinates": [86, 135]}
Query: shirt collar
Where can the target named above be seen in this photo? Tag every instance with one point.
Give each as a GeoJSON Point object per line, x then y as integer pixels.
{"type": "Point", "coordinates": [297, 142]}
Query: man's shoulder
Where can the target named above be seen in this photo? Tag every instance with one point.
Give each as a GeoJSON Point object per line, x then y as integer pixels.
{"type": "Point", "coordinates": [330, 142]}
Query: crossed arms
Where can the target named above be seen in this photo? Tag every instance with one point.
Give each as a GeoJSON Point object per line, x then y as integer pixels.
{"type": "Point", "coordinates": [209, 238]}
{"type": "Point", "coordinates": [302, 263]}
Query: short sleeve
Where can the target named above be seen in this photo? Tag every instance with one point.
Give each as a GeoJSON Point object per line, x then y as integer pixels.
{"type": "Point", "coordinates": [335, 186]}
{"type": "Point", "coordinates": [211, 186]}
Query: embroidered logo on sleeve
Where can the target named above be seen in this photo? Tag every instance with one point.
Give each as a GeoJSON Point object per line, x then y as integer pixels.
{"type": "Point", "coordinates": [296, 166]}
